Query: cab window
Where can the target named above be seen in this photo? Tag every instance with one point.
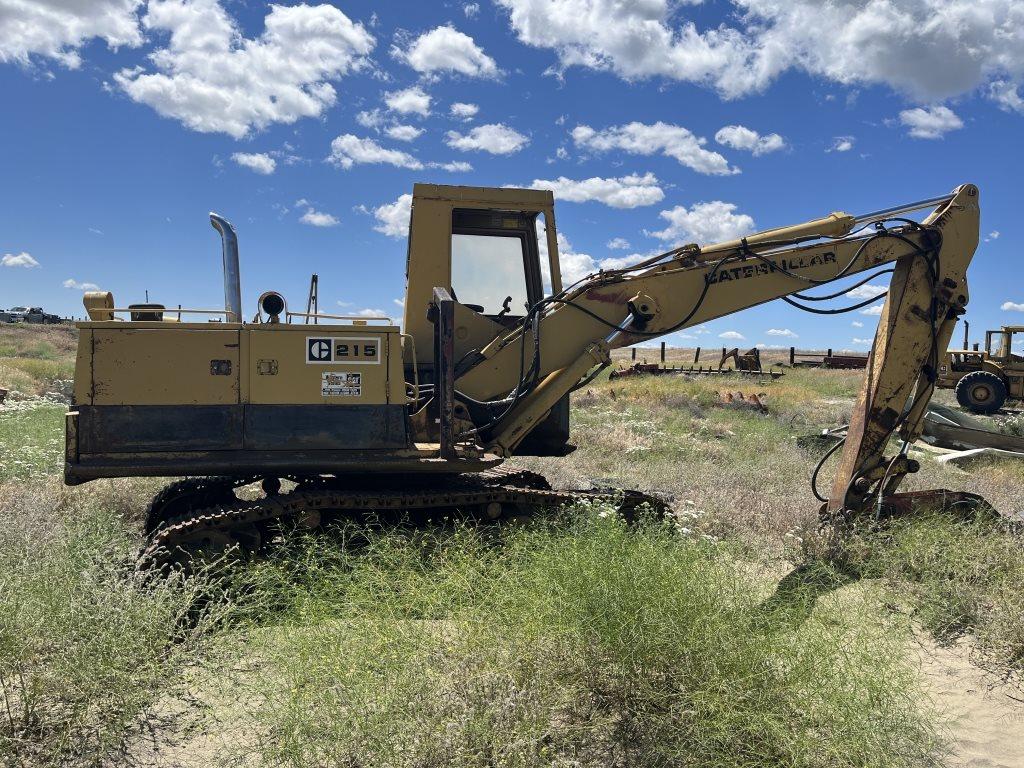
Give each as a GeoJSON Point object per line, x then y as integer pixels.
{"type": "Point", "coordinates": [487, 269]}
{"type": "Point", "coordinates": [495, 257]}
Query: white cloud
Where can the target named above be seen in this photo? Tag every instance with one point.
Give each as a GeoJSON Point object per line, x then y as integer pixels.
{"type": "Point", "coordinates": [371, 313]}
{"type": "Point", "coordinates": [622, 262]}
{"type": "Point", "coordinates": [658, 138]}
{"type": "Point", "coordinates": [455, 166]}
{"type": "Point", "coordinates": [57, 29]}
{"type": "Point", "coordinates": [857, 324]}
{"type": "Point", "coordinates": [372, 118]}
{"type": "Point", "coordinates": [471, 9]}
{"type": "Point", "coordinates": [1011, 306]}
{"type": "Point", "coordinates": [873, 310]}
{"type": "Point", "coordinates": [993, 235]}
{"type": "Point", "coordinates": [409, 101]}
{"type": "Point", "coordinates": [574, 265]}
{"type": "Point", "coordinates": [931, 122]}
{"type": "Point", "coordinates": [741, 137]}
{"type": "Point", "coordinates": [403, 132]}
{"type": "Point", "coordinates": [22, 259]}
{"type": "Point", "coordinates": [393, 218]}
{"type": "Point", "coordinates": [842, 144]}
{"type": "Point", "coordinates": [72, 283]}
{"type": "Point", "coordinates": [214, 80]}
{"type": "Point", "coordinates": [260, 162]}
{"type": "Point", "coordinates": [733, 335]}
{"type": "Point", "coordinates": [861, 342]}
{"type": "Point", "coordinates": [1007, 96]}
{"type": "Point", "coordinates": [445, 49]}
{"type": "Point", "coordinates": [496, 138]}
{"type": "Point", "coordinates": [867, 291]}
{"type": "Point", "coordinates": [624, 192]}
{"type": "Point", "coordinates": [928, 49]}
{"type": "Point", "coordinates": [463, 110]}
{"type": "Point", "coordinates": [348, 150]}
{"type": "Point", "coordinates": [705, 223]}
{"type": "Point", "coordinates": [317, 218]}
{"type": "Point", "coordinates": [781, 332]}
{"type": "Point", "coordinates": [617, 244]}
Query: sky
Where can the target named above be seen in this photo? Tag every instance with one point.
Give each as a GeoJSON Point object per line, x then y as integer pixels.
{"type": "Point", "coordinates": [656, 123]}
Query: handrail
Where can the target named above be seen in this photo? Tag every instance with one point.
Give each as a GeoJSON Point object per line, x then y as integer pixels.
{"type": "Point", "coordinates": [170, 310]}
{"type": "Point", "coordinates": [415, 367]}
{"type": "Point", "coordinates": [341, 317]}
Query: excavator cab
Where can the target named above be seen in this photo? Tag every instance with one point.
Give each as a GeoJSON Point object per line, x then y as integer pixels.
{"type": "Point", "coordinates": [482, 244]}
{"type": "Point", "coordinates": [497, 251]}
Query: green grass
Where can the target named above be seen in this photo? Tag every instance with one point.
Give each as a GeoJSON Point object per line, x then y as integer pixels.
{"type": "Point", "coordinates": [31, 440]}
{"type": "Point", "coordinates": [959, 579]}
{"type": "Point", "coordinates": [85, 646]}
{"type": "Point", "coordinates": [578, 643]}
{"type": "Point", "coordinates": [33, 356]}
{"type": "Point", "coordinates": [41, 368]}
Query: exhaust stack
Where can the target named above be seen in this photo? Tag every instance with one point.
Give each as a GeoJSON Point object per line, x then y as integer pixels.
{"type": "Point", "coordinates": [232, 280]}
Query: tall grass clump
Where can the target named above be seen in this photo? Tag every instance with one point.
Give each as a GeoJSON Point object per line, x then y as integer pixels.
{"type": "Point", "coordinates": [85, 644]}
{"type": "Point", "coordinates": [578, 643]}
{"type": "Point", "coordinates": [965, 578]}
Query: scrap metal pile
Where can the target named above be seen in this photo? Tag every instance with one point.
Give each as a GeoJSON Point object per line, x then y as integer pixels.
{"type": "Point", "coordinates": [745, 364]}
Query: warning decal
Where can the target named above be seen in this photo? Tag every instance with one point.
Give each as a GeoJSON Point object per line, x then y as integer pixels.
{"type": "Point", "coordinates": [339, 384]}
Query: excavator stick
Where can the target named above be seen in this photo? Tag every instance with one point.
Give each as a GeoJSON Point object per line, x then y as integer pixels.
{"type": "Point", "coordinates": [927, 293]}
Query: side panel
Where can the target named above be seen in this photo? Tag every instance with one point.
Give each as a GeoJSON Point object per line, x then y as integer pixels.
{"type": "Point", "coordinates": [83, 368]}
{"type": "Point", "coordinates": [152, 428]}
{"type": "Point", "coordinates": [316, 427]}
{"type": "Point", "coordinates": [324, 387]}
{"type": "Point", "coordinates": [165, 366]}
{"type": "Point", "coordinates": [310, 365]}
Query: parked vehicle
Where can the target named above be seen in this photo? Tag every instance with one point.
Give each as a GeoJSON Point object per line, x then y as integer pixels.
{"type": "Point", "coordinates": [985, 379]}
{"type": "Point", "coordinates": [37, 315]}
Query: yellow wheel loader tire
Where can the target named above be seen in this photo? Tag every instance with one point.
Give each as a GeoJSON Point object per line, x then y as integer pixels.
{"type": "Point", "coordinates": [981, 392]}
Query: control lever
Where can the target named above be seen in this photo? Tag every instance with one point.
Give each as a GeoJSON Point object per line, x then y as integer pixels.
{"type": "Point", "coordinates": [505, 308]}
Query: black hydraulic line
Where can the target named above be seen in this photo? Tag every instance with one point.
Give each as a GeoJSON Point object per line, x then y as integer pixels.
{"type": "Point", "coordinates": [839, 311]}
{"type": "Point", "coordinates": [846, 290]}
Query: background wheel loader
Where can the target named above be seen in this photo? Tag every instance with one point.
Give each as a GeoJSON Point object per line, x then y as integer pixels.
{"type": "Point", "coordinates": [984, 379]}
{"type": "Point", "coordinates": [364, 416]}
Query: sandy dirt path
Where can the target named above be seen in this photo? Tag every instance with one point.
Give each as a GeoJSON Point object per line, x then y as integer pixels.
{"type": "Point", "coordinates": [985, 718]}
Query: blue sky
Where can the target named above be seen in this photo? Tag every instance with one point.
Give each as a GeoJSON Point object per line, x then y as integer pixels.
{"type": "Point", "coordinates": [655, 123]}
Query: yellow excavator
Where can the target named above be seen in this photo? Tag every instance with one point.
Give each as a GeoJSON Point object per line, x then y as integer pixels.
{"type": "Point", "coordinates": [365, 416]}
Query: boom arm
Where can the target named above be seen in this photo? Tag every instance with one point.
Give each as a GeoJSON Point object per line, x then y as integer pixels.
{"type": "Point", "coordinates": [578, 327]}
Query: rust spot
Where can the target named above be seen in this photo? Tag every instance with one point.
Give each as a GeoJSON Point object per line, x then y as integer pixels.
{"type": "Point", "coordinates": [611, 297]}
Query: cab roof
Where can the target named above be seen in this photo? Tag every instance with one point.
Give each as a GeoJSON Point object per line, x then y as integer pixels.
{"type": "Point", "coordinates": [499, 196]}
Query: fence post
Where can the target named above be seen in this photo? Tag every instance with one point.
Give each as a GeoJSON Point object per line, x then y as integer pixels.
{"type": "Point", "coordinates": [663, 353]}
{"type": "Point", "coordinates": [633, 351]}
{"type": "Point", "coordinates": [792, 356]}
{"type": "Point", "coordinates": [696, 356]}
